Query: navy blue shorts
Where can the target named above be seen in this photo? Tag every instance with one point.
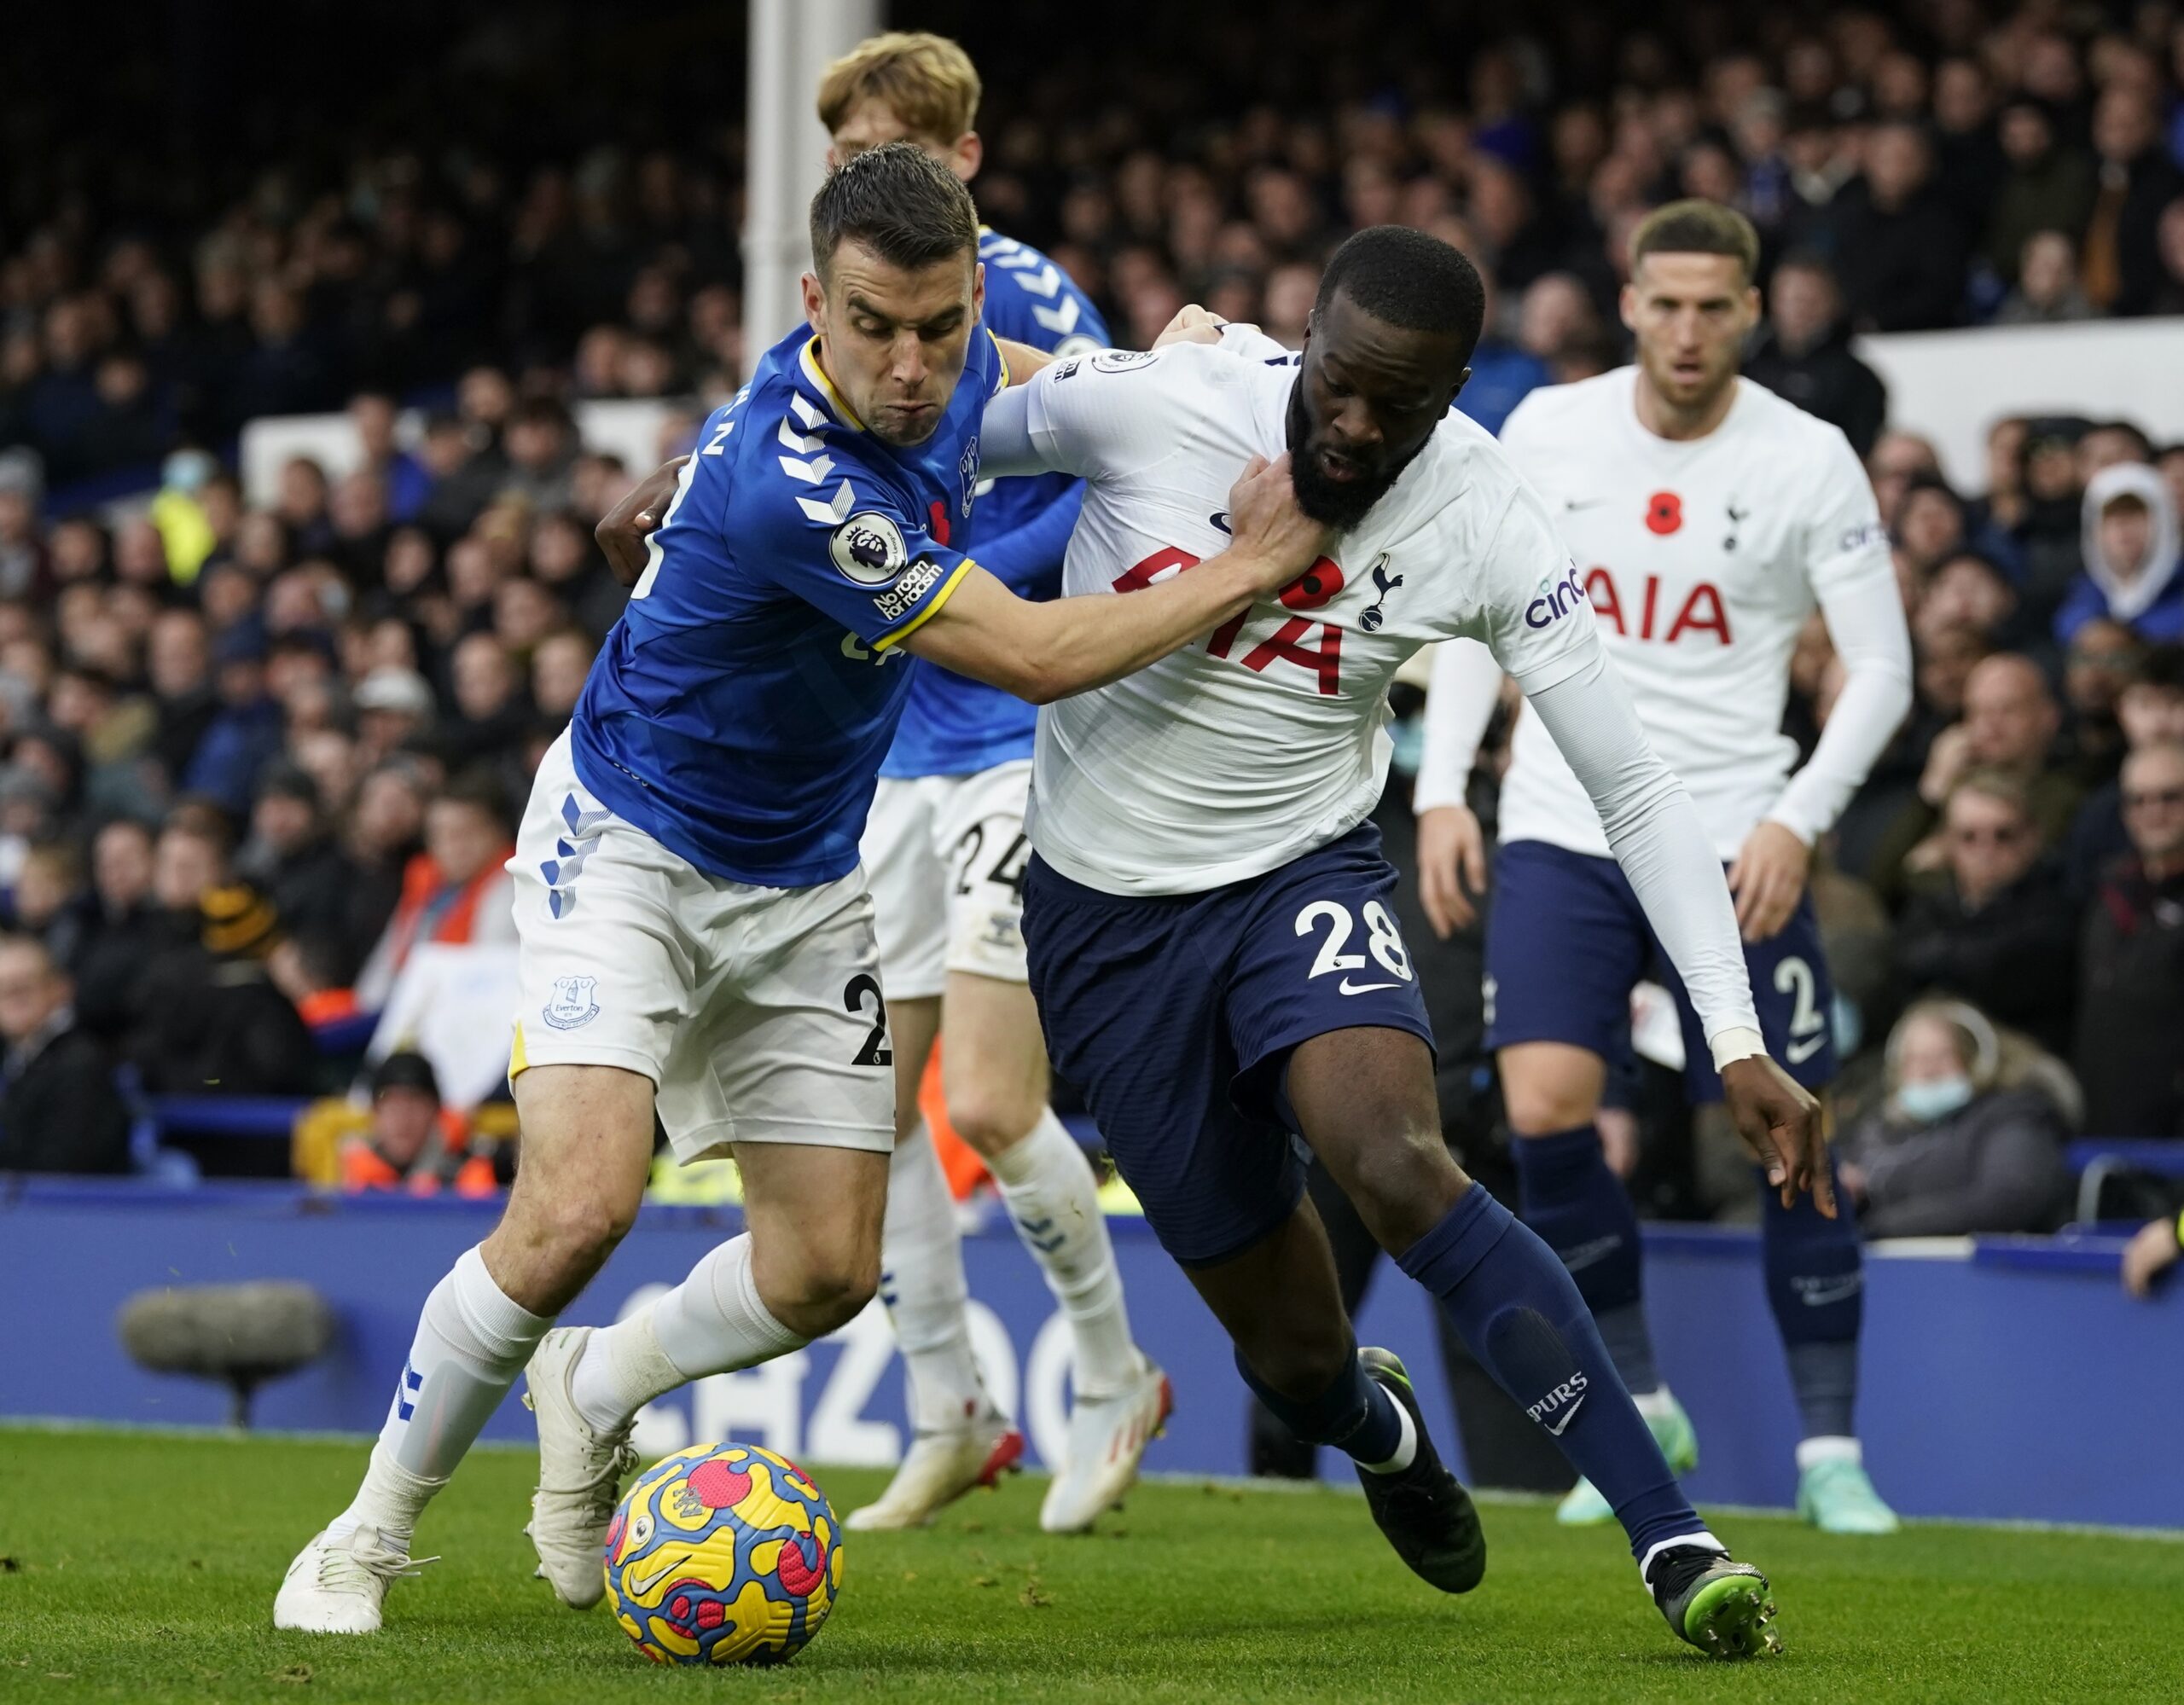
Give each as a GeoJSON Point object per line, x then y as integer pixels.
{"type": "Point", "coordinates": [1566, 939]}
{"type": "Point", "coordinates": [1175, 1016]}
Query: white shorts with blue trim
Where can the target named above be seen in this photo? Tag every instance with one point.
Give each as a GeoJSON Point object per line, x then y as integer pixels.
{"type": "Point", "coordinates": [756, 1012]}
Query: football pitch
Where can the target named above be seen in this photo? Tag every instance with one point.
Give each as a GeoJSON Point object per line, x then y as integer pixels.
{"type": "Point", "coordinates": [141, 1567]}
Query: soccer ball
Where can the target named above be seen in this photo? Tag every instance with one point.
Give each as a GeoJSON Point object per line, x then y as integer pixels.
{"type": "Point", "coordinates": [723, 1554]}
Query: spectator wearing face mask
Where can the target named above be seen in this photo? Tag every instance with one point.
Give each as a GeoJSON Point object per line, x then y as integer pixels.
{"type": "Point", "coordinates": [1994, 925]}
{"type": "Point", "coordinates": [1966, 1141]}
{"type": "Point", "coordinates": [2134, 557]}
{"type": "Point", "coordinates": [2130, 1034]}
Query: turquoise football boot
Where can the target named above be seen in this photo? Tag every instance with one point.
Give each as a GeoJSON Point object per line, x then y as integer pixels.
{"type": "Point", "coordinates": [1836, 1497]}
{"type": "Point", "coordinates": [1584, 1507]}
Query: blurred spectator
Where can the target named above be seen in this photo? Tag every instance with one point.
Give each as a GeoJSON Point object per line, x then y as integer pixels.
{"type": "Point", "coordinates": [2046, 186]}
{"type": "Point", "coordinates": [2131, 988]}
{"type": "Point", "coordinates": [1967, 1140]}
{"type": "Point", "coordinates": [1803, 352]}
{"type": "Point", "coordinates": [558, 667]}
{"type": "Point", "coordinates": [214, 1023]}
{"type": "Point", "coordinates": [2149, 711]}
{"type": "Point", "coordinates": [2134, 557]}
{"type": "Point", "coordinates": [59, 1110]}
{"type": "Point", "coordinates": [244, 733]}
{"type": "Point", "coordinates": [2047, 291]}
{"type": "Point", "coordinates": [1896, 244]}
{"type": "Point", "coordinates": [2135, 181]}
{"type": "Point", "coordinates": [123, 932]}
{"type": "Point", "coordinates": [393, 705]}
{"type": "Point", "coordinates": [456, 891]}
{"type": "Point", "coordinates": [1994, 927]}
{"type": "Point", "coordinates": [2103, 657]}
{"type": "Point", "coordinates": [2009, 728]}
{"type": "Point", "coordinates": [2050, 520]}
{"type": "Point", "coordinates": [1502, 373]}
{"type": "Point", "coordinates": [292, 858]}
{"type": "Point", "coordinates": [416, 1144]}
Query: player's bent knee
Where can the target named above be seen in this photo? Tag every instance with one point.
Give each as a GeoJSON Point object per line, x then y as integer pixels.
{"type": "Point", "coordinates": [824, 1295]}
{"type": "Point", "coordinates": [1550, 1094]}
{"type": "Point", "coordinates": [1402, 1186]}
{"type": "Point", "coordinates": [989, 1122]}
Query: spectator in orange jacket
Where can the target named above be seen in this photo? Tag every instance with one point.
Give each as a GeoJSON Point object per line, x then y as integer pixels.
{"type": "Point", "coordinates": [454, 892]}
{"type": "Point", "coordinates": [416, 1145]}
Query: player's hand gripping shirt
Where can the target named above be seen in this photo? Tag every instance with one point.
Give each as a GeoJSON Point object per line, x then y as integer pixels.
{"type": "Point", "coordinates": [1267, 738]}
{"type": "Point", "coordinates": [739, 710]}
{"type": "Point", "coordinates": [1702, 559]}
{"type": "Point", "coordinates": [951, 724]}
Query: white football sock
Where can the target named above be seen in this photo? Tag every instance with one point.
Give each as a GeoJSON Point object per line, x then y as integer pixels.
{"type": "Point", "coordinates": [712, 1322]}
{"type": "Point", "coordinates": [1051, 1197]}
{"type": "Point", "coordinates": [921, 1282]}
{"type": "Point", "coordinates": [472, 1342]}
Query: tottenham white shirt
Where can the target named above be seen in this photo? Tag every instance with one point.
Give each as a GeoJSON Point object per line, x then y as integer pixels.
{"type": "Point", "coordinates": [1702, 559]}
{"type": "Point", "coordinates": [1267, 738]}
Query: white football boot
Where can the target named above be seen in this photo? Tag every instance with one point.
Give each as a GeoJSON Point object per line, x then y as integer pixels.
{"type": "Point", "coordinates": [939, 1467]}
{"type": "Point", "coordinates": [1107, 1437]}
{"type": "Point", "coordinates": [337, 1586]}
{"type": "Point", "coordinates": [580, 1471]}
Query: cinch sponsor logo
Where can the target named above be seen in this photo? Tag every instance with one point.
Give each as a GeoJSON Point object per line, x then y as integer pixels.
{"type": "Point", "coordinates": [917, 580]}
{"type": "Point", "coordinates": [1554, 1411]}
{"type": "Point", "coordinates": [1557, 602]}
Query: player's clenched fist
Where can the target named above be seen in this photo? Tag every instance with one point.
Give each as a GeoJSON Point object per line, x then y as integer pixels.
{"type": "Point", "coordinates": [1784, 1128]}
{"type": "Point", "coordinates": [1268, 532]}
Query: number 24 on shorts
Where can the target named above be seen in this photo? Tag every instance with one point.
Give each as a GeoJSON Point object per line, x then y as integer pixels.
{"type": "Point", "coordinates": [1382, 938]}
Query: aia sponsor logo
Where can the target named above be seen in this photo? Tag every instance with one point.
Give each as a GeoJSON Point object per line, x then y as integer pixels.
{"type": "Point", "coordinates": [1645, 614]}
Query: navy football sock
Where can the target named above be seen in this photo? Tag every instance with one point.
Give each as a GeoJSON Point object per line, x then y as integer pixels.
{"type": "Point", "coordinates": [1354, 1414]}
{"type": "Point", "coordinates": [1517, 1307]}
{"type": "Point", "coordinates": [1581, 1210]}
{"type": "Point", "coordinates": [1816, 1285]}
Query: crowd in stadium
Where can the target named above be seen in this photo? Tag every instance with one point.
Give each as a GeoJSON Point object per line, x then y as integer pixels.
{"type": "Point", "coordinates": [256, 753]}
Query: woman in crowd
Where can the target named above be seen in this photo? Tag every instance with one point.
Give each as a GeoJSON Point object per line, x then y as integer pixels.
{"type": "Point", "coordinates": [1970, 1138]}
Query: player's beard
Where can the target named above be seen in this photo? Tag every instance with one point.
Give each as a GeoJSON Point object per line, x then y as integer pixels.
{"type": "Point", "coordinates": [1340, 504]}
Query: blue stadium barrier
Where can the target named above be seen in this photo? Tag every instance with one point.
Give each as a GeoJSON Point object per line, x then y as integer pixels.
{"type": "Point", "coordinates": [2008, 1378]}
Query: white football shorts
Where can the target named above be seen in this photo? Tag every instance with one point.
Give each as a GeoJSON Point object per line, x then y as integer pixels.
{"type": "Point", "coordinates": [946, 856]}
{"type": "Point", "coordinates": [756, 1012]}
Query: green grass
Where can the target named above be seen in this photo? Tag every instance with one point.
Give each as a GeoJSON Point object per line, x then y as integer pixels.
{"type": "Point", "coordinates": [141, 1567]}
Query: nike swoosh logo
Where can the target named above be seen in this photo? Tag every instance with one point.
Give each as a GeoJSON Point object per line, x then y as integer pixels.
{"type": "Point", "coordinates": [1349, 987]}
{"type": "Point", "coordinates": [1799, 1052]}
{"type": "Point", "coordinates": [640, 1584]}
{"type": "Point", "coordinates": [1583, 503]}
{"type": "Point", "coordinates": [1568, 1416]}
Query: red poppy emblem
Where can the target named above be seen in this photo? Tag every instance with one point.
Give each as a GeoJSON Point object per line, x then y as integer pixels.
{"type": "Point", "coordinates": [1664, 512]}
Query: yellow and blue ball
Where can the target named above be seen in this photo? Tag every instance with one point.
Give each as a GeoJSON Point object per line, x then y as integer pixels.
{"type": "Point", "coordinates": [723, 1554]}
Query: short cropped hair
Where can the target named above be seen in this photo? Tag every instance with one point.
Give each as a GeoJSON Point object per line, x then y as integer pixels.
{"type": "Point", "coordinates": [925, 80]}
{"type": "Point", "coordinates": [1697, 227]}
{"type": "Point", "coordinates": [1408, 279]}
{"type": "Point", "coordinates": [897, 202]}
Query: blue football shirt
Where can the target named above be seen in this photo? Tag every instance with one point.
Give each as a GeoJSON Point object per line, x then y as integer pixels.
{"type": "Point", "coordinates": [953, 725]}
{"type": "Point", "coordinates": [739, 708]}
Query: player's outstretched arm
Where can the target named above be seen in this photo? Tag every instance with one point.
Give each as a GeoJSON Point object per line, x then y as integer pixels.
{"type": "Point", "coordinates": [1657, 836]}
{"type": "Point", "coordinates": [1451, 846]}
{"type": "Point", "coordinates": [1048, 651]}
